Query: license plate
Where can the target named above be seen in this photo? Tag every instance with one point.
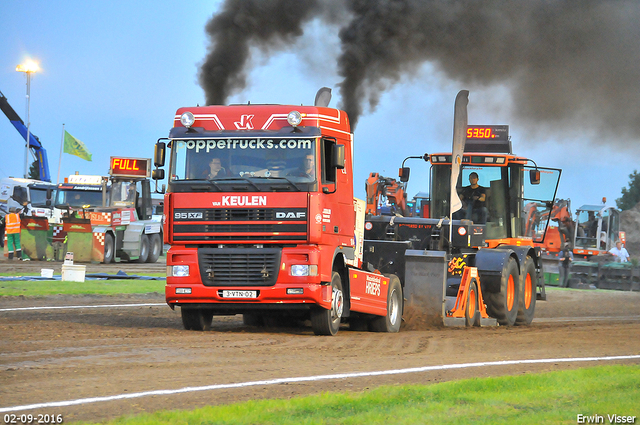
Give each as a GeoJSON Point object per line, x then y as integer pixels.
{"type": "Point", "coordinates": [239, 294]}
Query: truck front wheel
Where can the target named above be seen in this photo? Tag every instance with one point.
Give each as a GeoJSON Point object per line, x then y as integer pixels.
{"type": "Point", "coordinates": [196, 319]}
{"type": "Point", "coordinates": [155, 247]}
{"type": "Point", "coordinates": [144, 249]}
{"type": "Point", "coordinates": [392, 321]}
{"type": "Point", "coordinates": [327, 322]}
{"type": "Point", "coordinates": [109, 248]}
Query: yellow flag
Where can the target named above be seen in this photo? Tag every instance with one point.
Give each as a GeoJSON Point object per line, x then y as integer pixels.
{"type": "Point", "coordinates": [75, 147]}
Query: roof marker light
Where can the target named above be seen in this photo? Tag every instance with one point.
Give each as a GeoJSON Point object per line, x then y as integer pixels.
{"type": "Point", "coordinates": [294, 118]}
{"type": "Point", "coordinates": [187, 119]}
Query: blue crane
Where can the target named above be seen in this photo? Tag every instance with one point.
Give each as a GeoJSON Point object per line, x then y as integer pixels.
{"type": "Point", "coordinates": [38, 151]}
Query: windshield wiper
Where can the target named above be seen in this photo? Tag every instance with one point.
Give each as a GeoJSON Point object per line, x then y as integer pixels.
{"type": "Point", "coordinates": [288, 180]}
{"type": "Point", "coordinates": [242, 178]}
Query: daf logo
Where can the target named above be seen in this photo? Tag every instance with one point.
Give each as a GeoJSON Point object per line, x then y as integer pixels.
{"type": "Point", "coordinates": [290, 215]}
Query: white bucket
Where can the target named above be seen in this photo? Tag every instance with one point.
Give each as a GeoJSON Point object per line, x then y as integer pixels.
{"type": "Point", "coordinates": [46, 273]}
{"type": "Point", "coordinates": [73, 273]}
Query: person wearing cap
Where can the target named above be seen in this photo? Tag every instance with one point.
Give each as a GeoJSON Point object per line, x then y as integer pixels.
{"type": "Point", "coordinates": [620, 253]}
{"type": "Point", "coordinates": [12, 229]}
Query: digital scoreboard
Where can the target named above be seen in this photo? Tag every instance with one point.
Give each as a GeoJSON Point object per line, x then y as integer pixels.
{"type": "Point", "coordinates": [130, 167]}
{"type": "Point", "coordinates": [488, 132]}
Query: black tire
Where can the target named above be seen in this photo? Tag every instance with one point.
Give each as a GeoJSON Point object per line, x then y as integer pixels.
{"type": "Point", "coordinates": [327, 322]}
{"type": "Point", "coordinates": [155, 247]}
{"type": "Point", "coordinates": [503, 305]}
{"type": "Point", "coordinates": [144, 249]}
{"type": "Point", "coordinates": [392, 321]}
{"type": "Point", "coordinates": [472, 310]}
{"type": "Point", "coordinates": [196, 319]}
{"type": "Point", "coordinates": [109, 248]}
{"type": "Point", "coordinates": [528, 287]}
{"type": "Point", "coordinates": [252, 319]}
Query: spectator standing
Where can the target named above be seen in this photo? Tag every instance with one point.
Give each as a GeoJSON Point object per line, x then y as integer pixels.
{"type": "Point", "coordinates": [566, 258]}
{"type": "Point", "coordinates": [620, 253]}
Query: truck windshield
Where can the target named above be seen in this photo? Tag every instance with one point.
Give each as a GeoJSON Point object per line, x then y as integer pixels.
{"type": "Point", "coordinates": [504, 198]}
{"type": "Point", "coordinates": [38, 197]}
{"type": "Point", "coordinates": [78, 198]}
{"type": "Point", "coordinates": [123, 194]}
{"type": "Point", "coordinates": [227, 158]}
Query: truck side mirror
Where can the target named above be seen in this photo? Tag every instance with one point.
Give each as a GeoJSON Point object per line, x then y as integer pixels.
{"type": "Point", "coordinates": [159, 153]}
{"type": "Point", "coordinates": [338, 156]}
{"type": "Point", "coordinates": [20, 195]}
{"type": "Point", "coordinates": [403, 173]}
{"type": "Point", "coordinates": [157, 174]}
{"type": "Point", "coordinates": [534, 177]}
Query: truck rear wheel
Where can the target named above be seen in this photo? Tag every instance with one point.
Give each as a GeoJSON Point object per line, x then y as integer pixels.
{"type": "Point", "coordinates": [196, 319]}
{"type": "Point", "coordinates": [155, 247]}
{"type": "Point", "coordinates": [472, 310]}
{"type": "Point", "coordinates": [503, 305]}
{"type": "Point", "coordinates": [327, 322]}
{"type": "Point", "coordinates": [392, 321]}
{"type": "Point", "coordinates": [528, 282]}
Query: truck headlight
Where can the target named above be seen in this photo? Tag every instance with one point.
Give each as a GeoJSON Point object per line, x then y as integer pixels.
{"type": "Point", "coordinates": [177, 271]}
{"type": "Point", "coordinates": [304, 270]}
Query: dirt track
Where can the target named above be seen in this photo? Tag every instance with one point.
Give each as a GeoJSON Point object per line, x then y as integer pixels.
{"type": "Point", "coordinates": [68, 354]}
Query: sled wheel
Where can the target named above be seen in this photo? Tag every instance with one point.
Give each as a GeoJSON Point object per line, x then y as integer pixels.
{"type": "Point", "coordinates": [196, 319]}
{"type": "Point", "coordinates": [528, 282]}
{"type": "Point", "coordinates": [391, 322]}
{"type": "Point", "coordinates": [503, 305]}
{"type": "Point", "coordinates": [327, 322]}
{"type": "Point", "coordinates": [472, 310]}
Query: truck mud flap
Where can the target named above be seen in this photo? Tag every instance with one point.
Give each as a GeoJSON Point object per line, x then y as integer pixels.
{"type": "Point", "coordinates": [424, 287]}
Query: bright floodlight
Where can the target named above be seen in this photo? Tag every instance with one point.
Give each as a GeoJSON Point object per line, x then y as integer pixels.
{"type": "Point", "coordinates": [187, 119]}
{"type": "Point", "coordinates": [294, 118]}
{"type": "Point", "coordinates": [28, 66]}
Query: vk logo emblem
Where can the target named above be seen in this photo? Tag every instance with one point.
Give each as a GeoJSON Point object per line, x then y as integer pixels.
{"type": "Point", "coordinates": [245, 122]}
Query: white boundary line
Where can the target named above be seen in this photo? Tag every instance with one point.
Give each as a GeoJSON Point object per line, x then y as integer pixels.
{"type": "Point", "coordinates": [62, 307]}
{"type": "Point", "coordinates": [307, 379]}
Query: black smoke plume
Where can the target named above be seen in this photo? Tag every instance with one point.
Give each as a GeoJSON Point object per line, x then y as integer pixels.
{"type": "Point", "coordinates": [570, 63]}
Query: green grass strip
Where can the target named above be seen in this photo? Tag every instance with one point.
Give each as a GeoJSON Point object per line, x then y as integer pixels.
{"type": "Point", "coordinates": [546, 398]}
{"type": "Point", "coordinates": [40, 288]}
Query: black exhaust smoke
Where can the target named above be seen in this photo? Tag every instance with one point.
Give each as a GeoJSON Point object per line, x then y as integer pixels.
{"type": "Point", "coordinates": [568, 64]}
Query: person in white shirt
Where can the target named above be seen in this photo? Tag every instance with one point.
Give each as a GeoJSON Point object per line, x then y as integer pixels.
{"type": "Point", "coordinates": [620, 253]}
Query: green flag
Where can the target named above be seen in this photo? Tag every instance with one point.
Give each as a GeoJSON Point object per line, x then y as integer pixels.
{"type": "Point", "coordinates": [75, 147]}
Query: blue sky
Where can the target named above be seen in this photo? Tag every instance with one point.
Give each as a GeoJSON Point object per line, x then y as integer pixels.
{"type": "Point", "coordinates": [115, 72]}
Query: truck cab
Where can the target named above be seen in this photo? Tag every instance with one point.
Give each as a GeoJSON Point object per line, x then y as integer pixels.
{"type": "Point", "coordinates": [260, 214]}
{"type": "Point", "coordinates": [34, 196]}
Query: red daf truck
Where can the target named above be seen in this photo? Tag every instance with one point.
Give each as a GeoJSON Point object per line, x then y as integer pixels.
{"type": "Point", "coordinates": [261, 219]}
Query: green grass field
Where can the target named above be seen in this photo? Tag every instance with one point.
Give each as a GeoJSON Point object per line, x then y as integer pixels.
{"type": "Point", "coordinates": [40, 288]}
{"type": "Point", "coordinates": [546, 398]}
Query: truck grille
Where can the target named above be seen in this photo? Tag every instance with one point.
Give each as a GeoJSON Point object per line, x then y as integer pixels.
{"type": "Point", "coordinates": [239, 224]}
{"type": "Point", "coordinates": [239, 266]}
